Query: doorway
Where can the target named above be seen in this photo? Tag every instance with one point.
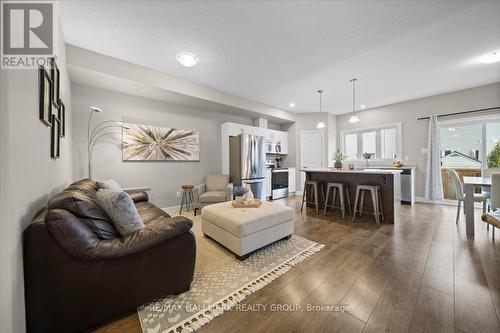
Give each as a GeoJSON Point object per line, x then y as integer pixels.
{"type": "Point", "coordinates": [311, 152]}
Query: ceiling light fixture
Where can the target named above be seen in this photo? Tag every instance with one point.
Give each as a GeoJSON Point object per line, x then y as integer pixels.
{"type": "Point", "coordinates": [354, 119]}
{"type": "Point", "coordinates": [292, 105]}
{"type": "Point", "coordinates": [320, 124]}
{"type": "Point", "coordinates": [187, 59]}
{"type": "Point", "coordinates": [490, 58]}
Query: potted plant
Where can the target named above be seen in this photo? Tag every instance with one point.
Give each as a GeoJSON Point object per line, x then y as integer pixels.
{"type": "Point", "coordinates": [338, 157]}
{"type": "Point", "coordinates": [239, 193]}
{"type": "Point", "coordinates": [367, 157]}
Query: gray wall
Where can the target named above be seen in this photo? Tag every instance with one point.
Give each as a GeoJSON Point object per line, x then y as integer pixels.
{"type": "Point", "coordinates": [414, 131]}
{"type": "Point", "coordinates": [28, 177]}
{"type": "Point", "coordinates": [165, 178]}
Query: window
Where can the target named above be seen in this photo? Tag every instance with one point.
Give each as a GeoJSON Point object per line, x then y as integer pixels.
{"type": "Point", "coordinates": [381, 142]}
{"type": "Point", "coordinates": [388, 142]}
{"type": "Point", "coordinates": [465, 147]}
{"type": "Point", "coordinates": [351, 146]}
{"type": "Point", "coordinates": [492, 140]}
{"type": "Point", "coordinates": [369, 144]}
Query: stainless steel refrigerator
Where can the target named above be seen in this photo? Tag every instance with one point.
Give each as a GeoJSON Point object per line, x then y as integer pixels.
{"type": "Point", "coordinates": [247, 158]}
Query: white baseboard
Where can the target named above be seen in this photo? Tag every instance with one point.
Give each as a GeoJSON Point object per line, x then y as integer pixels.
{"type": "Point", "coordinates": [446, 202]}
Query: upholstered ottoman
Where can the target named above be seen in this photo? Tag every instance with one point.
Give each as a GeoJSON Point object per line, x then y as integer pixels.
{"type": "Point", "coordinates": [243, 230]}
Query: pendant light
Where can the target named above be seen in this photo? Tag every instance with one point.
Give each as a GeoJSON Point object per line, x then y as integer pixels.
{"type": "Point", "coordinates": [320, 124]}
{"type": "Point", "coordinates": [354, 118]}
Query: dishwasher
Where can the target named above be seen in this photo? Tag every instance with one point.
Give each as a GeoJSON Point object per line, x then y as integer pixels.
{"type": "Point", "coordinates": [407, 187]}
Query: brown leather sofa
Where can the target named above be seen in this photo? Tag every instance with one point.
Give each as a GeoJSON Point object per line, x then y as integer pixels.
{"type": "Point", "coordinates": [80, 273]}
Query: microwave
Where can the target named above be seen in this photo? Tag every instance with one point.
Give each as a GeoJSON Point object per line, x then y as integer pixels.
{"type": "Point", "coordinates": [273, 147]}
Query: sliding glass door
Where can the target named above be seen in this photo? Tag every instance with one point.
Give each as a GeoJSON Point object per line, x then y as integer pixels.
{"type": "Point", "coordinates": [465, 147]}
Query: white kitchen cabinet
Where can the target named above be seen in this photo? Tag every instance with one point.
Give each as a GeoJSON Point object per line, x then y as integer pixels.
{"type": "Point", "coordinates": [233, 129]}
{"type": "Point", "coordinates": [269, 183]}
{"type": "Point", "coordinates": [283, 137]}
{"type": "Point", "coordinates": [291, 180]}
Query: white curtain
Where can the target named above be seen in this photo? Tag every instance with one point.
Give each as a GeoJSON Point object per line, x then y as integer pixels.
{"type": "Point", "coordinates": [433, 185]}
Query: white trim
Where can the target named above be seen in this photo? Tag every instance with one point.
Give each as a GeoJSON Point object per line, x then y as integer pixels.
{"type": "Point", "coordinates": [377, 128]}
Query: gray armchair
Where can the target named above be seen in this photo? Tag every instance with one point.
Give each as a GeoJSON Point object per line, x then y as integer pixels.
{"type": "Point", "coordinates": [216, 188]}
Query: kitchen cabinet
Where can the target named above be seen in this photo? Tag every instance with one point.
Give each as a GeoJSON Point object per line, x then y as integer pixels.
{"type": "Point", "coordinates": [292, 180]}
{"type": "Point", "coordinates": [233, 129]}
{"type": "Point", "coordinates": [269, 183]}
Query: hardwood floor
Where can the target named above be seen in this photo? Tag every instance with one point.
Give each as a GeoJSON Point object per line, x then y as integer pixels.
{"type": "Point", "coordinates": [421, 275]}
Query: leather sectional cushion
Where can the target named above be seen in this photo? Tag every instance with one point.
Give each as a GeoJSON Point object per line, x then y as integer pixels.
{"type": "Point", "coordinates": [213, 196]}
{"type": "Point", "coordinates": [149, 212]}
{"type": "Point", "coordinates": [72, 235]}
{"type": "Point", "coordinates": [139, 196]}
{"type": "Point", "coordinates": [81, 201]}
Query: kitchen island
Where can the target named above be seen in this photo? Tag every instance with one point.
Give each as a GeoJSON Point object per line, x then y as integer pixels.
{"type": "Point", "coordinates": [388, 179]}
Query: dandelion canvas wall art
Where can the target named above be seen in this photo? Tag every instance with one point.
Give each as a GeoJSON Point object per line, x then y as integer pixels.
{"type": "Point", "coordinates": [151, 143]}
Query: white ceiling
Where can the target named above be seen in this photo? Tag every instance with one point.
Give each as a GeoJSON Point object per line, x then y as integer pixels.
{"type": "Point", "coordinates": [284, 51]}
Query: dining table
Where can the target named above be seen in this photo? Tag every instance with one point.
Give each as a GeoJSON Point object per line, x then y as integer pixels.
{"type": "Point", "coordinates": [469, 184]}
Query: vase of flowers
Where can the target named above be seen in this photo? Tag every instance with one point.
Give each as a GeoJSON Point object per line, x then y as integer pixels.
{"type": "Point", "coordinates": [338, 157]}
{"type": "Point", "coordinates": [239, 193]}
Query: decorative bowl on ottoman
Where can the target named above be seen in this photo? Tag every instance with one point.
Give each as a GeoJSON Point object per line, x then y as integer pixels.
{"type": "Point", "coordinates": [244, 230]}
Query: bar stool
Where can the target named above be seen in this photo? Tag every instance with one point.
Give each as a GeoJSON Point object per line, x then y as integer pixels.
{"type": "Point", "coordinates": [187, 200]}
{"type": "Point", "coordinates": [315, 185]}
{"type": "Point", "coordinates": [375, 191]}
{"type": "Point", "coordinates": [342, 189]}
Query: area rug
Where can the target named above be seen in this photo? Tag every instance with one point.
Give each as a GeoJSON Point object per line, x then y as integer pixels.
{"type": "Point", "coordinates": [221, 281]}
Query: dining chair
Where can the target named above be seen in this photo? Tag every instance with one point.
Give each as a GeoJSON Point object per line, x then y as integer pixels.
{"type": "Point", "coordinates": [486, 172]}
{"type": "Point", "coordinates": [460, 194]}
{"type": "Point", "coordinates": [493, 217]}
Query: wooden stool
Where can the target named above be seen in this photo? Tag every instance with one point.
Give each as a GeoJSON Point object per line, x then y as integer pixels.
{"type": "Point", "coordinates": [375, 192]}
{"type": "Point", "coordinates": [314, 184]}
{"type": "Point", "coordinates": [493, 219]}
{"type": "Point", "coordinates": [187, 200]}
{"type": "Point", "coordinates": [342, 189]}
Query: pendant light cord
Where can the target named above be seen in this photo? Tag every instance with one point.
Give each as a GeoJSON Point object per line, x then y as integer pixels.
{"type": "Point", "coordinates": [353, 95]}
{"type": "Point", "coordinates": [320, 92]}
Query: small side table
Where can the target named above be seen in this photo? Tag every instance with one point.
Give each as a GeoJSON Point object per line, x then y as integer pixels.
{"type": "Point", "coordinates": [187, 200]}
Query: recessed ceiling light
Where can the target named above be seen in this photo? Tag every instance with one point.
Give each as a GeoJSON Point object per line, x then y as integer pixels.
{"type": "Point", "coordinates": [490, 57]}
{"type": "Point", "coordinates": [187, 59]}
{"type": "Point", "coordinates": [292, 105]}
{"type": "Point", "coordinates": [362, 106]}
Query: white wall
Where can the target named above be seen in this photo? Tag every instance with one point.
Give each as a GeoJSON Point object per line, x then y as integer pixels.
{"type": "Point", "coordinates": [28, 177]}
{"type": "Point", "coordinates": [308, 122]}
{"type": "Point", "coordinates": [164, 177]}
{"type": "Point", "coordinates": [415, 131]}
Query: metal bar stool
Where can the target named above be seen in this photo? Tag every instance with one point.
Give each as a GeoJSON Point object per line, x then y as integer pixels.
{"type": "Point", "coordinates": [375, 192]}
{"type": "Point", "coordinates": [187, 200]}
{"type": "Point", "coordinates": [342, 189]}
{"type": "Point", "coordinates": [315, 186]}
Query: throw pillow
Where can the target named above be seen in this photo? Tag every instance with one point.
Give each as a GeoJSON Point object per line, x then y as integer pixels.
{"type": "Point", "coordinates": [121, 209]}
{"type": "Point", "coordinates": [109, 184]}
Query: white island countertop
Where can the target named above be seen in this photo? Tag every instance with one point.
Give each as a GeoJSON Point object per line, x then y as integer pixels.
{"type": "Point", "coordinates": [363, 171]}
